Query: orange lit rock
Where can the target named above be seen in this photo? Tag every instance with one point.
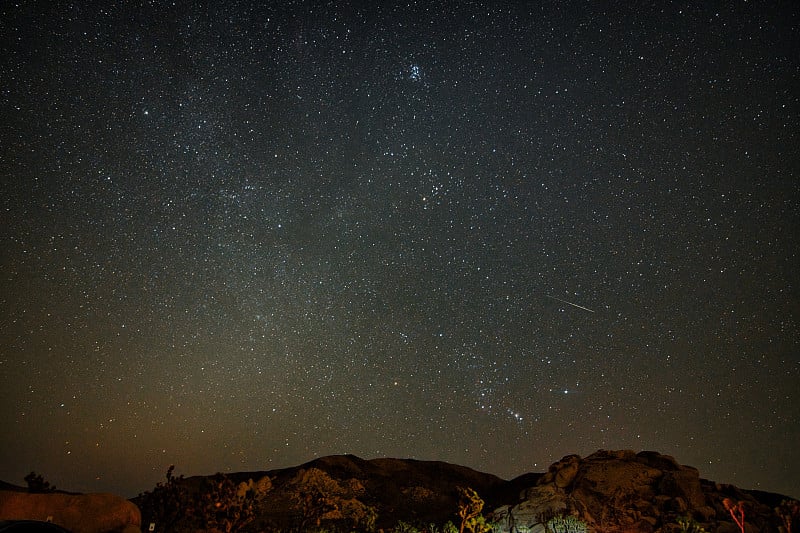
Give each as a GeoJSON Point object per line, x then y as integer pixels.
{"type": "Point", "coordinates": [80, 513]}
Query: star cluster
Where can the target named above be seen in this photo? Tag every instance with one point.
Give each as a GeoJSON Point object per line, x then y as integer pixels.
{"type": "Point", "coordinates": [237, 236]}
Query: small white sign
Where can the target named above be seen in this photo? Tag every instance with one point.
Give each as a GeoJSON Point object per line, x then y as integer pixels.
{"type": "Point", "coordinates": [152, 526]}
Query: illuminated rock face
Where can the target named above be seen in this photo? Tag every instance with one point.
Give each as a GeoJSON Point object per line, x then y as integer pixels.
{"type": "Point", "coordinates": [80, 513]}
{"type": "Point", "coordinates": [625, 491]}
{"type": "Point", "coordinates": [611, 491]}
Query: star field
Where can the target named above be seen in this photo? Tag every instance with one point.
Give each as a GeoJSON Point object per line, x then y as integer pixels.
{"type": "Point", "coordinates": [238, 237]}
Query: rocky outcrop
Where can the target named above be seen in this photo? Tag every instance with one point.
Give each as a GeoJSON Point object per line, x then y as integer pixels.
{"type": "Point", "coordinates": [610, 491]}
{"type": "Point", "coordinates": [80, 513]}
{"type": "Point", "coordinates": [418, 492]}
{"type": "Point", "coordinates": [620, 491]}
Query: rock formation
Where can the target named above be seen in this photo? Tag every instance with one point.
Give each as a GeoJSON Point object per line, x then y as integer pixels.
{"type": "Point", "coordinates": [624, 491]}
{"type": "Point", "coordinates": [608, 491]}
{"type": "Point", "coordinates": [80, 513]}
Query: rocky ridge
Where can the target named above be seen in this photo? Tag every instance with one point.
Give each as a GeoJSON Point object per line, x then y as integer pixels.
{"type": "Point", "coordinates": [610, 491]}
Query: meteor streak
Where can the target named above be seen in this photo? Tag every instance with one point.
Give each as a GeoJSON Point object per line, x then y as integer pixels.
{"type": "Point", "coordinates": [570, 303]}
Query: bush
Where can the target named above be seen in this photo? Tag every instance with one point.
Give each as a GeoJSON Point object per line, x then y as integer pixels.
{"type": "Point", "coordinates": [219, 504]}
{"type": "Point", "coordinates": [37, 483]}
{"type": "Point", "coordinates": [470, 506]}
{"type": "Point", "coordinates": [566, 524]}
{"type": "Point", "coordinates": [689, 525]}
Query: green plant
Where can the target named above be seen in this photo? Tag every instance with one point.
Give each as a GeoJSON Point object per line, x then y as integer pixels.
{"type": "Point", "coordinates": [449, 527]}
{"type": "Point", "coordinates": [689, 525]}
{"type": "Point", "coordinates": [566, 524]}
{"type": "Point", "coordinates": [405, 527]}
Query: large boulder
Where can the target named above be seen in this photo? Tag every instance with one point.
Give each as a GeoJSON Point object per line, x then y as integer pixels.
{"type": "Point", "coordinates": [80, 513]}
{"type": "Point", "coordinates": [610, 490]}
{"type": "Point", "coordinates": [538, 504]}
{"type": "Point", "coordinates": [615, 489]}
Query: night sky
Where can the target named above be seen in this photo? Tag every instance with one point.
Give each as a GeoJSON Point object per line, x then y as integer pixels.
{"type": "Point", "coordinates": [237, 236]}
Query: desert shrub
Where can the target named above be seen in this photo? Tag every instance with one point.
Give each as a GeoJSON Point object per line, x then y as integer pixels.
{"type": "Point", "coordinates": [449, 527]}
{"type": "Point", "coordinates": [689, 525]}
{"type": "Point", "coordinates": [470, 506]}
{"type": "Point", "coordinates": [566, 524]}
{"type": "Point", "coordinates": [167, 504]}
{"type": "Point", "coordinates": [37, 483]}
{"type": "Point", "coordinates": [219, 504]}
{"type": "Point", "coordinates": [789, 513]}
{"type": "Point", "coordinates": [323, 500]}
{"type": "Point", "coordinates": [228, 507]}
{"type": "Point", "coordinates": [405, 527]}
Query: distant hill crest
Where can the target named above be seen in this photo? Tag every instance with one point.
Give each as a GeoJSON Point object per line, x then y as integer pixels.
{"type": "Point", "coordinates": [609, 490]}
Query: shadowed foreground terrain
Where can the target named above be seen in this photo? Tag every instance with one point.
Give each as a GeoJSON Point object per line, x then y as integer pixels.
{"type": "Point", "coordinates": [608, 491]}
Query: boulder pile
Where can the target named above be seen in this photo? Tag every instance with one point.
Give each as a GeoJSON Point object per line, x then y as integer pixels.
{"type": "Point", "coordinates": [627, 491]}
